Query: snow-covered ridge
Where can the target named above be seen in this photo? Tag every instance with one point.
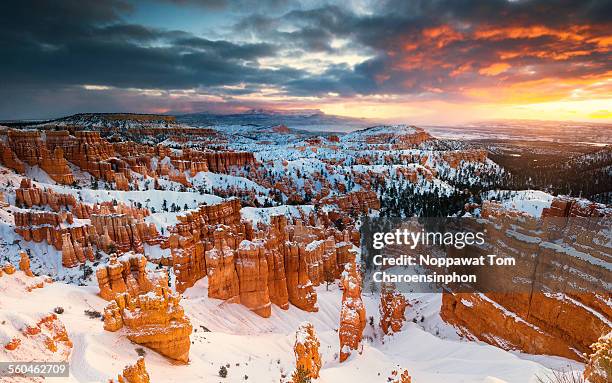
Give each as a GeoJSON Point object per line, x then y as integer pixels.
{"type": "Point", "coordinates": [532, 202]}
{"type": "Point", "coordinates": [395, 130]}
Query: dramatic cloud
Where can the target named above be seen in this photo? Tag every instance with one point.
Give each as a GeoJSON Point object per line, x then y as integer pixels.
{"type": "Point", "coordinates": [383, 59]}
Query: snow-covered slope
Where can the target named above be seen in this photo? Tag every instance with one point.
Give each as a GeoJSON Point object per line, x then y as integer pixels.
{"type": "Point", "coordinates": [393, 130]}
{"type": "Point", "coordinates": [532, 202]}
{"type": "Point", "coordinates": [262, 349]}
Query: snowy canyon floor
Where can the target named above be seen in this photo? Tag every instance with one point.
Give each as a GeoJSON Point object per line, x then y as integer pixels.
{"type": "Point", "coordinates": [261, 350]}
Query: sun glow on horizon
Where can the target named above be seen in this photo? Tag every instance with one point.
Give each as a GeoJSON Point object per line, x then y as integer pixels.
{"type": "Point", "coordinates": [436, 112]}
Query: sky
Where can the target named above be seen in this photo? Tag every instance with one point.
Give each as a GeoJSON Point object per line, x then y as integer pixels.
{"type": "Point", "coordinates": [412, 61]}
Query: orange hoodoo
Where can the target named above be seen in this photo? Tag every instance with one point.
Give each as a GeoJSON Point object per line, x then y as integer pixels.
{"type": "Point", "coordinates": [127, 274]}
{"type": "Point", "coordinates": [24, 264]}
{"type": "Point", "coordinates": [599, 366]}
{"type": "Point", "coordinates": [392, 307]}
{"type": "Point", "coordinates": [352, 314]}
{"type": "Point", "coordinates": [399, 375]}
{"type": "Point", "coordinates": [155, 320]}
{"type": "Point", "coordinates": [306, 349]}
{"type": "Point", "coordinates": [136, 373]}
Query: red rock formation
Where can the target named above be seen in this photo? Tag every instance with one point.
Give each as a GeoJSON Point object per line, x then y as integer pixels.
{"type": "Point", "coordinates": [226, 212]}
{"type": "Point", "coordinates": [529, 319]}
{"type": "Point", "coordinates": [26, 144]}
{"type": "Point", "coordinates": [192, 160]}
{"type": "Point", "coordinates": [277, 277]}
{"type": "Point", "coordinates": [176, 133]}
{"type": "Point", "coordinates": [352, 314]}
{"type": "Point", "coordinates": [187, 259]}
{"type": "Point", "coordinates": [180, 178]}
{"type": "Point", "coordinates": [46, 336]}
{"type": "Point", "coordinates": [13, 344]}
{"type": "Point", "coordinates": [203, 245]}
{"type": "Point", "coordinates": [41, 226]}
{"type": "Point", "coordinates": [399, 375]}
{"type": "Point", "coordinates": [599, 366]}
{"type": "Point", "coordinates": [400, 137]}
{"type": "Point", "coordinates": [73, 252]}
{"type": "Point", "coordinates": [109, 207]}
{"type": "Point", "coordinates": [155, 320]}
{"type": "Point", "coordinates": [29, 147]}
{"type": "Point", "coordinates": [56, 166]}
{"type": "Point", "coordinates": [252, 270]}
{"type": "Point", "coordinates": [279, 263]}
{"type": "Point", "coordinates": [9, 268]}
{"type": "Point", "coordinates": [91, 153]}
{"type": "Point", "coordinates": [197, 166]}
{"type": "Point", "coordinates": [140, 154]}
{"type": "Point", "coordinates": [33, 282]}
{"type": "Point", "coordinates": [572, 207]}
{"type": "Point", "coordinates": [136, 373]}
{"type": "Point", "coordinates": [35, 225]}
{"type": "Point", "coordinates": [124, 231]}
{"type": "Point", "coordinates": [222, 276]}
{"type": "Point", "coordinates": [355, 202]}
{"type": "Point", "coordinates": [57, 332]}
{"type": "Point", "coordinates": [299, 286]}
{"type": "Point", "coordinates": [48, 226]}
{"type": "Point", "coordinates": [9, 159]}
{"type": "Point", "coordinates": [455, 157]}
{"type": "Point", "coordinates": [478, 316]}
{"type": "Point", "coordinates": [3, 202]}
{"type": "Point", "coordinates": [306, 350]}
{"type": "Point", "coordinates": [24, 264]}
{"type": "Point", "coordinates": [29, 195]}
{"type": "Point", "coordinates": [127, 274]}
{"type": "Point", "coordinates": [58, 139]}
{"type": "Point", "coordinates": [414, 173]}
{"type": "Point", "coordinates": [222, 162]}
{"type": "Point", "coordinates": [392, 307]}
{"type": "Point", "coordinates": [121, 182]}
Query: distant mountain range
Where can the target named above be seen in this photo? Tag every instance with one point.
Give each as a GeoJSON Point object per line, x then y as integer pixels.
{"type": "Point", "coordinates": [301, 120]}
{"type": "Point", "coordinates": [311, 120]}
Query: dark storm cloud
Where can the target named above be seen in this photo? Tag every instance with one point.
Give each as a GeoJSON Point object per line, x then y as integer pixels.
{"type": "Point", "coordinates": [226, 50]}
{"type": "Point", "coordinates": [240, 5]}
{"type": "Point", "coordinates": [310, 30]}
{"type": "Point", "coordinates": [77, 42]}
{"type": "Point", "coordinates": [340, 79]}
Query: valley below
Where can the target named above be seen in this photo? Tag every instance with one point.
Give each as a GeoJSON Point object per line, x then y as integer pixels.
{"type": "Point", "coordinates": [148, 248]}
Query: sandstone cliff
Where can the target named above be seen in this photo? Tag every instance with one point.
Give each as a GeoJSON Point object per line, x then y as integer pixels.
{"type": "Point", "coordinates": [566, 256]}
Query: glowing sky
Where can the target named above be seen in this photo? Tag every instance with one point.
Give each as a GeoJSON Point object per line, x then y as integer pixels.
{"type": "Point", "coordinates": [423, 61]}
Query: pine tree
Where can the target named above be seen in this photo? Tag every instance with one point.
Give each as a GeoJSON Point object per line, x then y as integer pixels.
{"type": "Point", "coordinates": [300, 375]}
{"type": "Point", "coordinates": [223, 372]}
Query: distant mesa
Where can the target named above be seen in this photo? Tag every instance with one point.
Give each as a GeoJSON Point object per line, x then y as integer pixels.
{"type": "Point", "coordinates": [97, 118]}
